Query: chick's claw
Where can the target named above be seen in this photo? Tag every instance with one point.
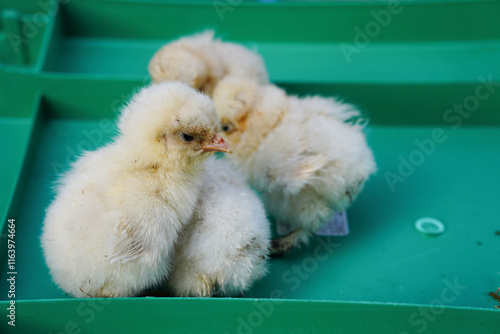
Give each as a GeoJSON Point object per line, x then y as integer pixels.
{"type": "Point", "coordinates": [285, 244]}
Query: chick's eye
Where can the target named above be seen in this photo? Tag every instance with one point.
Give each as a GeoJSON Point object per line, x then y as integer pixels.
{"type": "Point", "coordinates": [187, 138]}
{"type": "Point", "coordinates": [227, 127]}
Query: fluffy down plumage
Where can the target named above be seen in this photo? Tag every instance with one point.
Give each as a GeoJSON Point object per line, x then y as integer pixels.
{"type": "Point", "coordinates": [300, 153]}
{"type": "Point", "coordinates": [200, 61]}
{"type": "Point", "coordinates": [224, 248]}
{"type": "Point", "coordinates": [112, 227]}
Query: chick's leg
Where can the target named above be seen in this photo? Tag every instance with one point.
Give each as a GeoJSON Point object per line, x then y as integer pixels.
{"type": "Point", "coordinates": [285, 244]}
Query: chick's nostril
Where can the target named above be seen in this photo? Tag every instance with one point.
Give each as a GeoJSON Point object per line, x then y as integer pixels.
{"type": "Point", "coordinates": [218, 144]}
{"type": "Point", "coordinates": [217, 139]}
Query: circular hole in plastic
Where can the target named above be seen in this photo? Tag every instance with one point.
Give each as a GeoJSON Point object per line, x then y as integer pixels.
{"type": "Point", "coordinates": [429, 226]}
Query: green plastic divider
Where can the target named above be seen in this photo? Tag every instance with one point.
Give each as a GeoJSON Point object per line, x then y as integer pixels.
{"type": "Point", "coordinates": [153, 315]}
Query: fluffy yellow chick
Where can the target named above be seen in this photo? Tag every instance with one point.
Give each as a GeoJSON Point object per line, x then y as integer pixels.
{"type": "Point", "coordinates": [111, 230]}
{"type": "Point", "coordinates": [300, 153]}
{"type": "Point", "coordinates": [200, 61]}
{"type": "Point", "coordinates": [224, 249]}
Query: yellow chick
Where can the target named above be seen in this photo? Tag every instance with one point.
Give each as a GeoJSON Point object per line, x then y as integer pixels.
{"type": "Point", "coordinates": [224, 249]}
{"type": "Point", "coordinates": [200, 61]}
{"type": "Point", "coordinates": [112, 227]}
{"type": "Point", "coordinates": [300, 153]}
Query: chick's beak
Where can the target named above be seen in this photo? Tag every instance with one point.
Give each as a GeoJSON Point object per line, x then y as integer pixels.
{"type": "Point", "coordinates": [217, 144]}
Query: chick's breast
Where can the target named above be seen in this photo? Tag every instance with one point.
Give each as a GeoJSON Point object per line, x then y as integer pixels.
{"type": "Point", "coordinates": [105, 236]}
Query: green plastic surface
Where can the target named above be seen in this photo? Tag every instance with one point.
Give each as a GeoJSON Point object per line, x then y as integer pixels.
{"type": "Point", "coordinates": [61, 87]}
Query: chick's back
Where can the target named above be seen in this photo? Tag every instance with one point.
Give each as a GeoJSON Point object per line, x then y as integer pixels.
{"type": "Point", "coordinates": [306, 167]}
{"type": "Point", "coordinates": [201, 61]}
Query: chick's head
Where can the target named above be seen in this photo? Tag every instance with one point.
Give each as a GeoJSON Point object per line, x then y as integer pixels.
{"type": "Point", "coordinates": [234, 99]}
{"type": "Point", "coordinates": [170, 123]}
{"type": "Point", "coordinates": [175, 62]}
{"type": "Point", "coordinates": [248, 111]}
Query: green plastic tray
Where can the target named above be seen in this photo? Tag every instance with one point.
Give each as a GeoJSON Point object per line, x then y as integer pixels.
{"type": "Point", "coordinates": [67, 66]}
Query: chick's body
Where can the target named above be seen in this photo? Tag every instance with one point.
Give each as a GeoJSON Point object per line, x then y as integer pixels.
{"type": "Point", "coordinates": [200, 61]}
{"type": "Point", "coordinates": [111, 230]}
{"type": "Point", "coordinates": [306, 161]}
{"type": "Point", "coordinates": [225, 246]}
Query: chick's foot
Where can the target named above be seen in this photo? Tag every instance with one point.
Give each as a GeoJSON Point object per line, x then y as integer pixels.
{"type": "Point", "coordinates": [285, 244]}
